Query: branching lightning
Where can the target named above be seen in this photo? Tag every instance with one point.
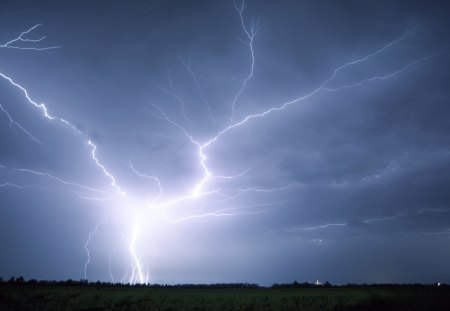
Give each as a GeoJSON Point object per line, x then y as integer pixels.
{"type": "Point", "coordinates": [369, 221]}
{"type": "Point", "coordinates": [60, 180]}
{"type": "Point", "coordinates": [200, 91]}
{"type": "Point", "coordinates": [250, 34]}
{"type": "Point", "coordinates": [152, 201]}
{"type": "Point", "coordinates": [105, 171]}
{"type": "Point", "coordinates": [208, 174]}
{"type": "Point", "coordinates": [204, 186]}
{"type": "Point", "coordinates": [44, 110]}
{"type": "Point", "coordinates": [21, 39]}
{"type": "Point", "coordinates": [403, 37]}
{"type": "Point", "coordinates": [137, 276]}
{"type": "Point", "coordinates": [174, 94]}
{"type": "Point", "coordinates": [316, 91]}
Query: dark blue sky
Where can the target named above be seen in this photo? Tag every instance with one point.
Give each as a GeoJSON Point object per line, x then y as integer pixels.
{"type": "Point", "coordinates": [333, 166]}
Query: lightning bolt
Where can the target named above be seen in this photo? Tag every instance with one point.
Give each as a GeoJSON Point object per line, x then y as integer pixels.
{"type": "Point", "coordinates": [225, 212]}
{"type": "Point", "coordinates": [8, 184]}
{"type": "Point", "coordinates": [17, 124]}
{"type": "Point", "coordinates": [136, 272]}
{"type": "Point", "coordinates": [42, 107]}
{"type": "Point", "coordinates": [86, 246]}
{"type": "Point", "coordinates": [152, 178]}
{"type": "Point", "coordinates": [60, 180]}
{"type": "Point", "coordinates": [103, 168]}
{"type": "Point", "coordinates": [344, 224]}
{"type": "Point", "coordinates": [208, 175]}
{"type": "Point", "coordinates": [321, 226]}
{"type": "Point", "coordinates": [174, 94]}
{"type": "Point", "coordinates": [137, 275]}
{"type": "Point", "coordinates": [78, 189]}
{"type": "Point", "coordinates": [206, 172]}
{"type": "Point", "coordinates": [267, 190]}
{"type": "Point", "coordinates": [407, 34]}
{"type": "Point", "coordinates": [250, 34]}
{"type": "Point", "coordinates": [243, 173]}
{"type": "Point", "coordinates": [45, 113]}
{"type": "Point", "coordinates": [378, 219]}
{"type": "Point", "coordinates": [11, 44]}
{"type": "Point", "coordinates": [44, 110]}
{"type": "Point", "coordinates": [202, 147]}
{"type": "Point", "coordinates": [312, 93]}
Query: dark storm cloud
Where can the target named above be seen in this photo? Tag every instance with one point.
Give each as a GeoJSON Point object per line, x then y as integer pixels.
{"type": "Point", "coordinates": [348, 186]}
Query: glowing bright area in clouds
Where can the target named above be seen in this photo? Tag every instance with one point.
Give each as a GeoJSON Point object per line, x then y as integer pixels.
{"type": "Point", "coordinates": [220, 141]}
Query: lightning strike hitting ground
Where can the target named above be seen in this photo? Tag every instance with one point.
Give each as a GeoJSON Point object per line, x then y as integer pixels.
{"type": "Point", "coordinates": [204, 186]}
{"type": "Point", "coordinates": [86, 246]}
{"type": "Point", "coordinates": [207, 173]}
{"type": "Point", "coordinates": [44, 110]}
{"type": "Point", "coordinates": [137, 276]}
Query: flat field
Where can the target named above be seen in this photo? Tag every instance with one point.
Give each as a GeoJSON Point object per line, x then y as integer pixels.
{"type": "Point", "coordinates": [57, 297]}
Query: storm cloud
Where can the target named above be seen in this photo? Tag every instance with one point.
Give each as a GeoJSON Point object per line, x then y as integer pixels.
{"type": "Point", "coordinates": [334, 165]}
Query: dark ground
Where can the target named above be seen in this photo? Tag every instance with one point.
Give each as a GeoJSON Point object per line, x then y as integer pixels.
{"type": "Point", "coordinates": [101, 297]}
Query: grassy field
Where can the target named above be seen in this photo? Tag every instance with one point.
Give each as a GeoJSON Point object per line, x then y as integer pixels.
{"type": "Point", "coordinates": [51, 297]}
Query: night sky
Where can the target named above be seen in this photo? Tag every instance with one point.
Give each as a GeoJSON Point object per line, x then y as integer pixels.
{"type": "Point", "coordinates": [209, 141]}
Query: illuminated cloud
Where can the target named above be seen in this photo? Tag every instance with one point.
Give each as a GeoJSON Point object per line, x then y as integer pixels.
{"type": "Point", "coordinates": [174, 145]}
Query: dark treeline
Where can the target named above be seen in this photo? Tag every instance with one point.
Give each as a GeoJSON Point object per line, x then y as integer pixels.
{"type": "Point", "coordinates": [82, 282]}
{"type": "Point", "coordinates": [329, 285]}
{"type": "Point", "coordinates": [33, 282]}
